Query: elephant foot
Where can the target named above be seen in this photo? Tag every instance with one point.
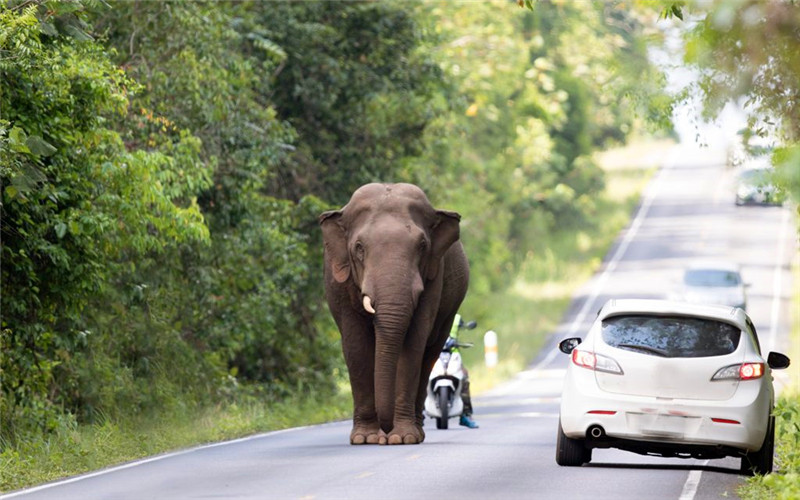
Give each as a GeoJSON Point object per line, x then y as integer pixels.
{"type": "Point", "coordinates": [365, 434]}
{"type": "Point", "coordinates": [405, 434]}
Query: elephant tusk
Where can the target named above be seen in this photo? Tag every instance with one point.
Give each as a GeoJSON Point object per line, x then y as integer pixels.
{"type": "Point", "coordinates": [368, 305]}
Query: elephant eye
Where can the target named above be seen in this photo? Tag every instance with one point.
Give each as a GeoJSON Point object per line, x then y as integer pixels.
{"type": "Point", "coordinates": [359, 250]}
{"type": "Point", "coordinates": [423, 246]}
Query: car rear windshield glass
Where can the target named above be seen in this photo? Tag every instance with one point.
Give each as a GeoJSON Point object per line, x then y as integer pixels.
{"type": "Point", "coordinates": [671, 336]}
{"type": "Point", "coordinates": [712, 277]}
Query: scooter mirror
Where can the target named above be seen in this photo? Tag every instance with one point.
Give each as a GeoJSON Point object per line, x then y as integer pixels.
{"type": "Point", "coordinates": [470, 325]}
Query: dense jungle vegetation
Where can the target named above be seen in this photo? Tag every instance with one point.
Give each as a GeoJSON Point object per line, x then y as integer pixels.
{"type": "Point", "coordinates": [163, 165]}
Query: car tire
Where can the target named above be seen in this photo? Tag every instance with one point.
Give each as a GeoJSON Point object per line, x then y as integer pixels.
{"type": "Point", "coordinates": [760, 462]}
{"type": "Point", "coordinates": [571, 452]}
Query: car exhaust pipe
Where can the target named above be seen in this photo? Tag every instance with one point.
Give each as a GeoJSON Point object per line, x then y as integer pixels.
{"type": "Point", "coordinates": [596, 432]}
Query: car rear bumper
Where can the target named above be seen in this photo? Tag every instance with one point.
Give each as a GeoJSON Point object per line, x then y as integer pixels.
{"type": "Point", "coordinates": [740, 422]}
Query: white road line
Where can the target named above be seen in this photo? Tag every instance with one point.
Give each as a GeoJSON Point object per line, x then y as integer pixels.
{"type": "Point", "coordinates": [641, 214]}
{"type": "Point", "coordinates": [777, 282]}
{"type": "Point", "coordinates": [691, 484]}
{"type": "Point", "coordinates": [142, 462]}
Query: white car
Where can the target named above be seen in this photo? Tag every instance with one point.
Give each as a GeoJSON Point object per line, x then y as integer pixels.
{"type": "Point", "coordinates": [716, 282]}
{"type": "Point", "coordinates": [755, 185]}
{"type": "Point", "coordinates": [670, 379]}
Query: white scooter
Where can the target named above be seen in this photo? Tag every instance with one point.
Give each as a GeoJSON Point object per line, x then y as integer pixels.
{"type": "Point", "coordinates": [446, 381]}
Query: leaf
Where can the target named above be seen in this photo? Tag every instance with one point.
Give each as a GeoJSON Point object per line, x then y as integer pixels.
{"type": "Point", "coordinates": [11, 192]}
{"type": "Point", "coordinates": [39, 146]}
{"type": "Point", "coordinates": [16, 139]}
{"type": "Point", "coordinates": [61, 230]}
{"type": "Point", "coordinates": [48, 28]}
{"type": "Point", "coordinates": [77, 33]}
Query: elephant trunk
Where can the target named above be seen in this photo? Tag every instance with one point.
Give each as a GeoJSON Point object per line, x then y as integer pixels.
{"type": "Point", "coordinates": [391, 325]}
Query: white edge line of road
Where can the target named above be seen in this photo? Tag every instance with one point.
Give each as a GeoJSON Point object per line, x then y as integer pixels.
{"type": "Point", "coordinates": [641, 214]}
{"type": "Point", "coordinates": [691, 484]}
{"type": "Point", "coordinates": [144, 461]}
{"type": "Point", "coordinates": [777, 281]}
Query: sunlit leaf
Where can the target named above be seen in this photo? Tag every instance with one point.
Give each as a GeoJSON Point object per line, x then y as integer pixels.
{"type": "Point", "coordinates": [11, 191]}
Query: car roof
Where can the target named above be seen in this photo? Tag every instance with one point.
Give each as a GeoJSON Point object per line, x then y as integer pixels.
{"type": "Point", "coordinates": [727, 314]}
{"type": "Point", "coordinates": [757, 163]}
{"type": "Point", "coordinates": [718, 265]}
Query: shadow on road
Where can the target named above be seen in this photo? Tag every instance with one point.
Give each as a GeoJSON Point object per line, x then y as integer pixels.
{"type": "Point", "coordinates": [704, 468]}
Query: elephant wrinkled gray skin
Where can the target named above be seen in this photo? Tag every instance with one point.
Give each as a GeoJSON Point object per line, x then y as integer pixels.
{"type": "Point", "coordinates": [395, 275]}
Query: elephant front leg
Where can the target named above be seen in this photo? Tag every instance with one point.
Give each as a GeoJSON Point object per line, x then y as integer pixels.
{"type": "Point", "coordinates": [358, 346]}
{"type": "Point", "coordinates": [407, 428]}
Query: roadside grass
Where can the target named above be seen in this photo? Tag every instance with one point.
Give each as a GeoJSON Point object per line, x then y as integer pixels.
{"type": "Point", "coordinates": [784, 482]}
{"type": "Point", "coordinates": [523, 316]}
{"type": "Point", "coordinates": [72, 450]}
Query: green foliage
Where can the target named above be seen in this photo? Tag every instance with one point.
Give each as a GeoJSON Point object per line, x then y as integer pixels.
{"type": "Point", "coordinates": [355, 86]}
{"type": "Point", "coordinates": [784, 483]}
{"type": "Point", "coordinates": [164, 163]}
{"type": "Point", "coordinates": [249, 301]}
{"type": "Point", "coordinates": [747, 51]}
{"type": "Point", "coordinates": [74, 200]}
{"type": "Point", "coordinates": [537, 94]}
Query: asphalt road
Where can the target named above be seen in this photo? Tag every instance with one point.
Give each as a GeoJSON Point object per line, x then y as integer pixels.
{"type": "Point", "coordinates": [687, 213]}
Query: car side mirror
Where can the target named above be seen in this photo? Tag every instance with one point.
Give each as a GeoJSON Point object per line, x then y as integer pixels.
{"type": "Point", "coordinates": [778, 361]}
{"type": "Point", "coordinates": [567, 345]}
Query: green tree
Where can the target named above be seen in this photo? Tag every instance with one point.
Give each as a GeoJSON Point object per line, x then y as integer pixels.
{"type": "Point", "coordinates": [747, 50]}
{"type": "Point", "coordinates": [75, 201]}
{"type": "Point", "coordinates": [535, 95]}
{"type": "Point", "coordinates": [355, 85]}
{"type": "Point", "coordinates": [249, 301]}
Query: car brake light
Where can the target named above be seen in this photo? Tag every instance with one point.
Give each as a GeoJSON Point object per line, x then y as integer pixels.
{"type": "Point", "coordinates": [743, 371]}
{"type": "Point", "coordinates": [751, 370]}
{"type": "Point", "coordinates": [584, 359]}
{"type": "Point", "coordinates": [725, 421]}
{"type": "Point", "coordinates": [593, 361]}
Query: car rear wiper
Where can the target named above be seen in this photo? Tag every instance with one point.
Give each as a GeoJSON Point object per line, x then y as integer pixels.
{"type": "Point", "coordinates": [645, 348]}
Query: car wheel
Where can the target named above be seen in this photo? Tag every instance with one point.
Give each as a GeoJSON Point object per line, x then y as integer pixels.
{"type": "Point", "coordinates": [571, 452]}
{"type": "Point", "coordinates": [760, 462]}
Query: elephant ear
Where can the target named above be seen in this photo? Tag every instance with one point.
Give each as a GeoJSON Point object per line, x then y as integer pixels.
{"type": "Point", "coordinates": [335, 240]}
{"type": "Point", "coordinates": [444, 233]}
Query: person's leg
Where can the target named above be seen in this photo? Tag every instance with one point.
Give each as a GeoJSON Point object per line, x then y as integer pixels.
{"type": "Point", "coordinates": [466, 417]}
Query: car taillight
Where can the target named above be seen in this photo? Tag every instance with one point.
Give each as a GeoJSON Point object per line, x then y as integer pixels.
{"type": "Point", "coordinates": [751, 370]}
{"type": "Point", "coordinates": [584, 359]}
{"type": "Point", "coordinates": [594, 361]}
{"type": "Point", "coordinates": [743, 371]}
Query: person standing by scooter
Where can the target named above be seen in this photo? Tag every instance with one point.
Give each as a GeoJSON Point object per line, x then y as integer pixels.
{"type": "Point", "coordinates": [466, 417]}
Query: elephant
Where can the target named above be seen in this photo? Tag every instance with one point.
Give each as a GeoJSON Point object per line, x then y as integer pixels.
{"type": "Point", "coordinates": [395, 274]}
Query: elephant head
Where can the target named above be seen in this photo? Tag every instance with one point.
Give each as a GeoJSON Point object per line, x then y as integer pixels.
{"type": "Point", "coordinates": [385, 250]}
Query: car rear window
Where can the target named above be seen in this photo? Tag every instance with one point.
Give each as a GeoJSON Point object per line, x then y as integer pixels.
{"type": "Point", "coordinates": [711, 277]}
{"type": "Point", "coordinates": [671, 336]}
